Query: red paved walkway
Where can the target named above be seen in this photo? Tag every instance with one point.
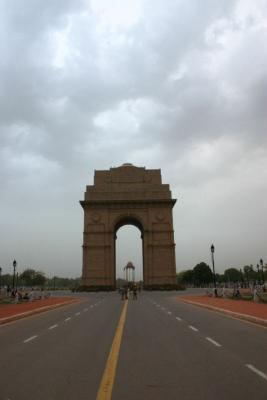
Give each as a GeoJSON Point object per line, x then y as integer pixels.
{"type": "Point", "coordinates": [10, 310]}
{"type": "Point", "coordinates": [258, 310]}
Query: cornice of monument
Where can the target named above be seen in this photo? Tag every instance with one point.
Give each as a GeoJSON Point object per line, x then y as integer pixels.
{"type": "Point", "coordinates": [86, 203]}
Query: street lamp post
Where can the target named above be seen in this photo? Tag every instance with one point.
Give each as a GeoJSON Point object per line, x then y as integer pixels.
{"type": "Point", "coordinates": [261, 263]}
{"type": "Point", "coordinates": [247, 276]}
{"type": "Point", "coordinates": [241, 277]}
{"type": "Point", "coordinates": [14, 273]}
{"type": "Point", "coordinates": [212, 248]}
{"type": "Point", "coordinates": [258, 269]}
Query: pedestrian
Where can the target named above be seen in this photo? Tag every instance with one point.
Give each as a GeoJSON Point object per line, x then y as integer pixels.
{"type": "Point", "coordinates": [124, 293]}
{"type": "Point", "coordinates": [16, 297]}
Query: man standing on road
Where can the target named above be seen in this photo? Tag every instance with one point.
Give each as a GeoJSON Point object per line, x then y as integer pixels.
{"type": "Point", "coordinates": [134, 292]}
{"type": "Point", "coordinates": [124, 293]}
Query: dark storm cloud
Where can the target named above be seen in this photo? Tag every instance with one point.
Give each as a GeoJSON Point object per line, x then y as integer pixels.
{"type": "Point", "coordinates": [88, 85]}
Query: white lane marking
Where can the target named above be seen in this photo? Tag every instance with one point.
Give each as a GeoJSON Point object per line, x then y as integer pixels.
{"type": "Point", "coordinates": [193, 328]}
{"type": "Point", "coordinates": [169, 312]}
{"type": "Point", "coordinates": [179, 319]}
{"type": "Point", "coordinates": [30, 338]}
{"type": "Point", "coordinates": [67, 319]}
{"type": "Point", "coordinates": [213, 342]}
{"type": "Point", "coordinates": [85, 309]}
{"type": "Point", "coordinates": [77, 313]}
{"type": "Point", "coordinates": [257, 371]}
{"type": "Point", "coordinates": [53, 326]}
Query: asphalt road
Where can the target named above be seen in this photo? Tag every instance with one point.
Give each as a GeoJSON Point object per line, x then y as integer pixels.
{"type": "Point", "coordinates": [169, 350]}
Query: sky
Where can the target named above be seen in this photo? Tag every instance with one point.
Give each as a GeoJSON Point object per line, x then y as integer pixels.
{"type": "Point", "coordinates": [179, 85]}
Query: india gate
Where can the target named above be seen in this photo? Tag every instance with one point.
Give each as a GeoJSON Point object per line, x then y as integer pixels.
{"type": "Point", "coordinates": [128, 195]}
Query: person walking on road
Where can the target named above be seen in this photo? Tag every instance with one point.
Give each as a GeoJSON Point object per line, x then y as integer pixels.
{"type": "Point", "coordinates": [134, 292]}
{"type": "Point", "coordinates": [124, 293]}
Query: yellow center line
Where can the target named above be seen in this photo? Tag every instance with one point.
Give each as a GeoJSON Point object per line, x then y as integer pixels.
{"type": "Point", "coordinates": [107, 381]}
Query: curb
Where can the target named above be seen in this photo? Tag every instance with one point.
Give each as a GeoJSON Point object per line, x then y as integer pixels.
{"type": "Point", "coordinates": [39, 310]}
{"type": "Point", "coordinates": [245, 317]}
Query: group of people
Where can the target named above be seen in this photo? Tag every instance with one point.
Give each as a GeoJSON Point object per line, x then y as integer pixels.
{"type": "Point", "coordinates": [127, 291]}
{"type": "Point", "coordinates": [19, 296]}
{"type": "Point", "coordinates": [25, 295]}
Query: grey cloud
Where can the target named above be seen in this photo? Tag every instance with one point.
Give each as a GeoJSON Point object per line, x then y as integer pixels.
{"type": "Point", "coordinates": [183, 88]}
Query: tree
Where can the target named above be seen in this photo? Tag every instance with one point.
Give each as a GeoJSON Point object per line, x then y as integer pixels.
{"type": "Point", "coordinates": [30, 277]}
{"type": "Point", "coordinates": [27, 277]}
{"type": "Point", "coordinates": [39, 279]}
{"type": "Point", "coordinates": [202, 274]}
{"type": "Point", "coordinates": [219, 277]}
{"type": "Point", "coordinates": [232, 275]}
{"type": "Point", "coordinates": [186, 277]}
{"type": "Point", "coordinates": [6, 280]}
{"type": "Point", "coordinates": [249, 273]}
{"type": "Point", "coordinates": [66, 283]}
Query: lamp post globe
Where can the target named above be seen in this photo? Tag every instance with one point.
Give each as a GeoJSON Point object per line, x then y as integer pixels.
{"type": "Point", "coordinates": [212, 249]}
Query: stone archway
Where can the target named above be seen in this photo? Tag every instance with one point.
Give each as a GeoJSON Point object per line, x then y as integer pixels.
{"type": "Point", "coordinates": [126, 220]}
{"type": "Point", "coordinates": [121, 196]}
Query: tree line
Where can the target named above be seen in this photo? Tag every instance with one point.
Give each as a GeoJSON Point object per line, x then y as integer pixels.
{"type": "Point", "coordinates": [202, 275]}
{"type": "Point", "coordinates": [31, 277]}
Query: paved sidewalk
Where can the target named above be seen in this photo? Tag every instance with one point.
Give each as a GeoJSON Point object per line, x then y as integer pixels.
{"type": "Point", "coordinates": [241, 309]}
{"type": "Point", "coordinates": [11, 312]}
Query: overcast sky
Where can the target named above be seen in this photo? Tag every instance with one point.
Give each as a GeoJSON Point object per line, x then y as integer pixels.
{"type": "Point", "coordinates": [179, 85]}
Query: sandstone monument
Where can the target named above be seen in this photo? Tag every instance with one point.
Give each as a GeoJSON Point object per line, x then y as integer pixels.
{"type": "Point", "coordinates": [122, 196]}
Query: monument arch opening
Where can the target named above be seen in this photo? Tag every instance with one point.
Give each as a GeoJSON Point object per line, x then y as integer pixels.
{"type": "Point", "coordinates": [121, 196]}
{"type": "Point", "coordinates": [129, 247]}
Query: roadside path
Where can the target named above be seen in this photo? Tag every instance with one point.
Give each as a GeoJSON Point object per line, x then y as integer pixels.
{"type": "Point", "coordinates": [11, 312]}
{"type": "Point", "coordinates": [243, 309]}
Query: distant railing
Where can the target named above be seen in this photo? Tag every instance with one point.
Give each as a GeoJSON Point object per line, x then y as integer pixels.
{"type": "Point", "coordinates": [257, 294]}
